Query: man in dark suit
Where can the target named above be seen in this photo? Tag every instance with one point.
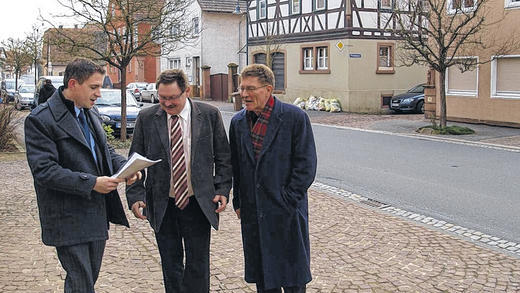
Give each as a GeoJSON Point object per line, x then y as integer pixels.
{"type": "Point", "coordinates": [71, 162]}
{"type": "Point", "coordinates": [183, 194]}
{"type": "Point", "coordinates": [274, 163]}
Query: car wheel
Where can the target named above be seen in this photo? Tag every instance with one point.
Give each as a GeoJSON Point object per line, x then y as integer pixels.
{"type": "Point", "coordinates": [420, 107]}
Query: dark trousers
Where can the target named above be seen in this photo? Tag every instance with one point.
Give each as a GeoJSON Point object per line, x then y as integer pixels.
{"type": "Point", "coordinates": [191, 228]}
{"type": "Point", "coordinates": [299, 289]}
{"type": "Point", "coordinates": [82, 263]}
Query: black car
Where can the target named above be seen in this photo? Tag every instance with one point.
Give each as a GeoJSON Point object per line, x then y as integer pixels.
{"type": "Point", "coordinates": [9, 87]}
{"type": "Point", "coordinates": [109, 107]}
{"type": "Point", "coordinates": [411, 101]}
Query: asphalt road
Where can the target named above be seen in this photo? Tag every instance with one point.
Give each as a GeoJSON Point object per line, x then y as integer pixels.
{"type": "Point", "coordinates": [470, 186]}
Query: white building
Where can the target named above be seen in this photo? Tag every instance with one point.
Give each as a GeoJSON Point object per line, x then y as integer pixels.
{"type": "Point", "coordinates": [219, 32]}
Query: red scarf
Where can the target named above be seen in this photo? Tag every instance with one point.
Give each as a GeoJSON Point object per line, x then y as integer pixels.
{"type": "Point", "coordinates": [260, 127]}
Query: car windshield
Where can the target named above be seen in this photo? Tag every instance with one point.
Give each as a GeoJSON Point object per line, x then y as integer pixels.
{"type": "Point", "coordinates": [113, 98]}
{"type": "Point", "coordinates": [141, 85]}
{"type": "Point", "coordinates": [418, 89]}
{"type": "Point", "coordinates": [26, 89]}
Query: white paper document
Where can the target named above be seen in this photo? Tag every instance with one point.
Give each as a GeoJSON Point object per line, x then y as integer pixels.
{"type": "Point", "coordinates": [134, 164]}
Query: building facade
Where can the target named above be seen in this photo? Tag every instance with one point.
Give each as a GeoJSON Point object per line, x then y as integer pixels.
{"type": "Point", "coordinates": [490, 93]}
{"type": "Point", "coordinates": [330, 48]}
{"type": "Point", "coordinates": [216, 29]}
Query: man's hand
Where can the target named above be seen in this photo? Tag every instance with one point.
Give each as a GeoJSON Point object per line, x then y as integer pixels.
{"type": "Point", "coordinates": [136, 209]}
{"type": "Point", "coordinates": [223, 202]}
{"type": "Point", "coordinates": [237, 211]}
{"type": "Point", "coordinates": [132, 179]}
{"type": "Point", "coordinates": [105, 184]}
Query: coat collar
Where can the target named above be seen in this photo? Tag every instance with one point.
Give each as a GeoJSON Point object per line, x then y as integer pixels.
{"type": "Point", "coordinates": [161, 125]}
{"type": "Point", "coordinates": [275, 121]}
{"type": "Point", "coordinates": [64, 118]}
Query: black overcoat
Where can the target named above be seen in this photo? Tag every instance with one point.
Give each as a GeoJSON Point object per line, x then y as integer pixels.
{"type": "Point", "coordinates": [65, 172]}
{"type": "Point", "coordinates": [272, 196]}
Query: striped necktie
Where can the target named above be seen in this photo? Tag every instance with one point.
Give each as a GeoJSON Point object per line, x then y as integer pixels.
{"type": "Point", "coordinates": [178, 163]}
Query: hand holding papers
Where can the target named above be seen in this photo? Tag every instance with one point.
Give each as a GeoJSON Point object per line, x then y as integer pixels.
{"type": "Point", "coordinates": [133, 165]}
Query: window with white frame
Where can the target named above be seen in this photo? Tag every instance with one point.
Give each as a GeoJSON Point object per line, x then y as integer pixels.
{"type": "Point", "coordinates": [322, 55]}
{"type": "Point", "coordinates": [385, 58]}
{"type": "Point", "coordinates": [262, 9]}
{"type": "Point", "coordinates": [195, 26]}
{"type": "Point", "coordinates": [320, 4]}
{"type": "Point", "coordinates": [174, 63]}
{"type": "Point", "coordinates": [455, 6]}
{"type": "Point", "coordinates": [136, 37]}
{"type": "Point", "coordinates": [295, 6]}
{"type": "Point", "coordinates": [505, 76]}
{"type": "Point", "coordinates": [315, 58]}
{"type": "Point", "coordinates": [308, 63]}
{"type": "Point", "coordinates": [512, 3]}
{"type": "Point", "coordinates": [462, 83]}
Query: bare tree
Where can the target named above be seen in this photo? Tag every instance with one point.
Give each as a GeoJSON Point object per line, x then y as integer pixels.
{"type": "Point", "coordinates": [116, 31]}
{"type": "Point", "coordinates": [438, 32]}
{"type": "Point", "coordinates": [34, 45]}
{"type": "Point", "coordinates": [17, 57]}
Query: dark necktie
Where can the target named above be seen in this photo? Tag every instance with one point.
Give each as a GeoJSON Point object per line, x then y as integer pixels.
{"type": "Point", "coordinates": [86, 132]}
{"type": "Point", "coordinates": [179, 174]}
{"type": "Point", "coordinates": [84, 126]}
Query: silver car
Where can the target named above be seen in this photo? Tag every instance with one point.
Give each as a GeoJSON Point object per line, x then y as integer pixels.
{"type": "Point", "coordinates": [24, 97]}
{"type": "Point", "coordinates": [150, 94]}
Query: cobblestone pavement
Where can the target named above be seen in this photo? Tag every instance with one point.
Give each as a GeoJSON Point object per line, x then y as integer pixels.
{"type": "Point", "coordinates": [354, 248]}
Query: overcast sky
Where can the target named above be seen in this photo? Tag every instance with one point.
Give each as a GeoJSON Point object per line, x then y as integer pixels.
{"type": "Point", "coordinates": [18, 16]}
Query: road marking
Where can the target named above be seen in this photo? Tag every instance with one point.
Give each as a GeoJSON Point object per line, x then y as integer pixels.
{"type": "Point", "coordinates": [473, 236]}
{"type": "Point", "coordinates": [431, 138]}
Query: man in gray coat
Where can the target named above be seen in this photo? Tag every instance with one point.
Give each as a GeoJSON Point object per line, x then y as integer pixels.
{"type": "Point", "coordinates": [71, 162]}
{"type": "Point", "coordinates": [183, 194]}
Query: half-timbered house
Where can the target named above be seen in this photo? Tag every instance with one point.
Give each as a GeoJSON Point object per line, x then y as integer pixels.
{"type": "Point", "coordinates": [330, 48]}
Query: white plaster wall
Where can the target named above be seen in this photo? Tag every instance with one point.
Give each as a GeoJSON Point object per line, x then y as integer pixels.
{"type": "Point", "coordinates": [188, 49]}
{"type": "Point", "coordinates": [221, 41]}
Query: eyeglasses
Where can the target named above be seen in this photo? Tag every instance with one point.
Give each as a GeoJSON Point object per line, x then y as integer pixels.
{"type": "Point", "coordinates": [251, 88]}
{"type": "Point", "coordinates": [172, 97]}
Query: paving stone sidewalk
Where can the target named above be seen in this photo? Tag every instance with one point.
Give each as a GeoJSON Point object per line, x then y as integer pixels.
{"type": "Point", "coordinates": [354, 249]}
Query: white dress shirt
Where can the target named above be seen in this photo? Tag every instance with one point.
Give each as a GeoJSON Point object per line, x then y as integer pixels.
{"type": "Point", "coordinates": [185, 119]}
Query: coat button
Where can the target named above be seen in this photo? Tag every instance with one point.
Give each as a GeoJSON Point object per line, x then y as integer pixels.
{"type": "Point", "coordinates": [83, 176]}
{"type": "Point", "coordinates": [258, 186]}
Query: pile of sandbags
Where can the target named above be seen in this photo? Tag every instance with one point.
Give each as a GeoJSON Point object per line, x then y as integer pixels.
{"type": "Point", "coordinates": [318, 104]}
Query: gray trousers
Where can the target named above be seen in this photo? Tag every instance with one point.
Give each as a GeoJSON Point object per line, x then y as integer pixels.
{"type": "Point", "coordinates": [82, 263]}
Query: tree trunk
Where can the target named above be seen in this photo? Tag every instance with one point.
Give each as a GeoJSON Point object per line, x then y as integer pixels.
{"type": "Point", "coordinates": [123, 103]}
{"type": "Point", "coordinates": [35, 72]}
{"type": "Point", "coordinates": [442, 90]}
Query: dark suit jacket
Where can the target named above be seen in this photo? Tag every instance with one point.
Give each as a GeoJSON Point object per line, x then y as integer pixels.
{"type": "Point", "coordinates": [65, 172]}
{"type": "Point", "coordinates": [210, 161]}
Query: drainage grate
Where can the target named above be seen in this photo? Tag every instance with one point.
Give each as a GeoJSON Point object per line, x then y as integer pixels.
{"type": "Point", "coordinates": [374, 203]}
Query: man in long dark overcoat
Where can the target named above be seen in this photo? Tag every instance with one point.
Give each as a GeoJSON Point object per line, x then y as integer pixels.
{"type": "Point", "coordinates": [274, 163]}
{"type": "Point", "coordinates": [71, 163]}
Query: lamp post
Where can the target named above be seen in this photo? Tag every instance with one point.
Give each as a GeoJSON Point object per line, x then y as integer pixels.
{"type": "Point", "coordinates": [237, 11]}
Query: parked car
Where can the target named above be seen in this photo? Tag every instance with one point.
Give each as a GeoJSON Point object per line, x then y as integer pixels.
{"type": "Point", "coordinates": [57, 81]}
{"type": "Point", "coordinates": [10, 87]}
{"type": "Point", "coordinates": [150, 94]}
{"type": "Point", "coordinates": [109, 106]}
{"type": "Point", "coordinates": [411, 101]}
{"type": "Point", "coordinates": [136, 88]}
{"type": "Point", "coordinates": [24, 97]}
